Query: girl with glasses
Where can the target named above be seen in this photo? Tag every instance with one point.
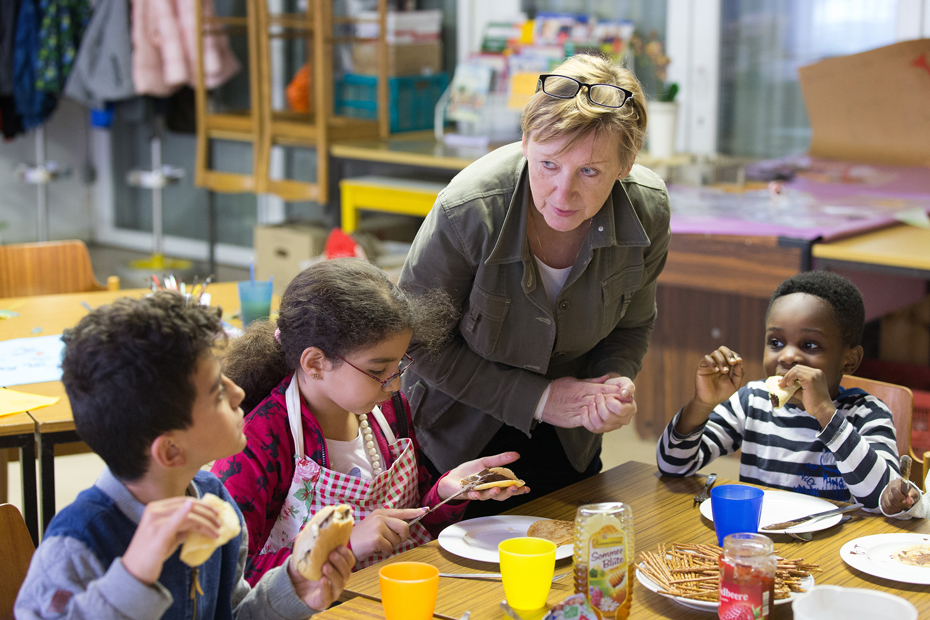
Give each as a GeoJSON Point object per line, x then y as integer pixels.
{"type": "Point", "coordinates": [326, 424]}
{"type": "Point", "coordinates": [550, 249]}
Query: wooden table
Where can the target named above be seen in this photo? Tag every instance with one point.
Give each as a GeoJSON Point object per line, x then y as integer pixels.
{"type": "Point", "coordinates": [53, 425]}
{"type": "Point", "coordinates": [900, 250]}
{"type": "Point", "coordinates": [664, 513]}
{"type": "Point", "coordinates": [358, 608]}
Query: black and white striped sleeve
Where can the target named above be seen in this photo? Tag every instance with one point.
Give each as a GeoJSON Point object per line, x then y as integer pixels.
{"type": "Point", "coordinates": [682, 455]}
{"type": "Point", "coordinates": [861, 436]}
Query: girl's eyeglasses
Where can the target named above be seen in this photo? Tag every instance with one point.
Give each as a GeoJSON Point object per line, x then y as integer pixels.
{"type": "Point", "coordinates": [405, 363]}
{"type": "Point", "coordinates": [564, 87]}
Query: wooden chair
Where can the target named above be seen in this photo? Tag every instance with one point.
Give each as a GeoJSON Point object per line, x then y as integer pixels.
{"type": "Point", "coordinates": [900, 401]}
{"type": "Point", "coordinates": [17, 551]}
{"type": "Point", "coordinates": [47, 268]}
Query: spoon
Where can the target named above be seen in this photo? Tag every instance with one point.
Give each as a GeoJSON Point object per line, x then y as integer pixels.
{"type": "Point", "coordinates": [808, 536]}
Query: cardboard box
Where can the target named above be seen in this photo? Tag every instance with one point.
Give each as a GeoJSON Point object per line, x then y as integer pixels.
{"type": "Point", "coordinates": [283, 250]}
{"type": "Point", "coordinates": [871, 107]}
{"type": "Point", "coordinates": [402, 26]}
{"type": "Point", "coordinates": [403, 58]}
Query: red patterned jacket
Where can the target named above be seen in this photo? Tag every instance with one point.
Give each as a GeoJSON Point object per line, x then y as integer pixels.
{"type": "Point", "coordinates": [259, 477]}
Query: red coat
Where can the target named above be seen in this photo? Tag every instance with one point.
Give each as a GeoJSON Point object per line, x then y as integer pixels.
{"type": "Point", "coordinates": [260, 476]}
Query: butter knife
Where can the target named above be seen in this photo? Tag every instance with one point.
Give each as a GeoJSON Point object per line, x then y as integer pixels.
{"type": "Point", "coordinates": [828, 513]}
{"type": "Point", "coordinates": [464, 490]}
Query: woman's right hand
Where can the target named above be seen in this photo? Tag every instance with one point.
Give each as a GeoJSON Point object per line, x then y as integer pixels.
{"type": "Point", "coordinates": [719, 376]}
{"type": "Point", "coordinates": [572, 402]}
{"type": "Point", "coordinates": [382, 531]}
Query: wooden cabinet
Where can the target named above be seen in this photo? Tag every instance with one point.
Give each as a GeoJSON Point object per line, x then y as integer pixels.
{"type": "Point", "coordinates": [264, 127]}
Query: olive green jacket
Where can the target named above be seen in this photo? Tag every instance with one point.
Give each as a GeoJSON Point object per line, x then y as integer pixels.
{"type": "Point", "coordinates": [507, 345]}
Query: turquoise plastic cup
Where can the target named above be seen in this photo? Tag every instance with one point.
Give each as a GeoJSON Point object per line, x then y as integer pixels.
{"type": "Point", "coordinates": [254, 301]}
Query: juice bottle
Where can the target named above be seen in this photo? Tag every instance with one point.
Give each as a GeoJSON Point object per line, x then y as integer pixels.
{"type": "Point", "coordinates": [603, 558]}
{"type": "Point", "coordinates": [747, 577]}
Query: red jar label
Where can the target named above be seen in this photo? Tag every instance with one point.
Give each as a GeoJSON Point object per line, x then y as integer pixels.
{"type": "Point", "coordinates": [745, 593]}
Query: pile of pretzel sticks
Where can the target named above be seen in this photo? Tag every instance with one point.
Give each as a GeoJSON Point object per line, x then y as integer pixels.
{"type": "Point", "coordinates": [692, 571]}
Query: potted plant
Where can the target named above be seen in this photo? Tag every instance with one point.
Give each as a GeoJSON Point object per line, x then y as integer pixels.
{"type": "Point", "coordinates": [650, 65]}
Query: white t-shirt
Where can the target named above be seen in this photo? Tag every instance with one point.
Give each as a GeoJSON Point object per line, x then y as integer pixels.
{"type": "Point", "coordinates": [552, 280]}
{"type": "Point", "coordinates": [351, 457]}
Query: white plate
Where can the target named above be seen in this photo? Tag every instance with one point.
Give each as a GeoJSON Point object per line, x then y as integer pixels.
{"type": "Point", "coordinates": [477, 539]}
{"type": "Point", "coordinates": [806, 582]}
{"type": "Point", "coordinates": [778, 506]}
{"type": "Point", "coordinates": [873, 555]}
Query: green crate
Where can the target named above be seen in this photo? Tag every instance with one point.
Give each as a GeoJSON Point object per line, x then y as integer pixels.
{"type": "Point", "coordinates": [412, 99]}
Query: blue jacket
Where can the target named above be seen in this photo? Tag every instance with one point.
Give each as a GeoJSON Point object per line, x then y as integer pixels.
{"type": "Point", "coordinates": [77, 572]}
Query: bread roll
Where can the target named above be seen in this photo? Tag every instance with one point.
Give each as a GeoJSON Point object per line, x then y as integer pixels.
{"type": "Point", "coordinates": [778, 395]}
{"type": "Point", "coordinates": [328, 529]}
{"type": "Point", "coordinates": [198, 548]}
{"type": "Point", "coordinates": [559, 532]}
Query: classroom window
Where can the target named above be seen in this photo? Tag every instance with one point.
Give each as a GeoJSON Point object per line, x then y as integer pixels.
{"type": "Point", "coordinates": [763, 43]}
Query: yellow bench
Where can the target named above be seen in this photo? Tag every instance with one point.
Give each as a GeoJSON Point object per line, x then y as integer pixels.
{"type": "Point", "coordinates": [386, 194]}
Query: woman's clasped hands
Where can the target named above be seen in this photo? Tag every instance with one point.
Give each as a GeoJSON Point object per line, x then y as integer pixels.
{"type": "Point", "coordinates": [600, 405]}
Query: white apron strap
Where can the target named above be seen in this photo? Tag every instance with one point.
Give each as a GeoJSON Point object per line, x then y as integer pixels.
{"type": "Point", "coordinates": [385, 427]}
{"type": "Point", "coordinates": [292, 399]}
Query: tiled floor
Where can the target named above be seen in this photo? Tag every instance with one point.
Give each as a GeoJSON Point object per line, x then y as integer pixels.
{"type": "Point", "coordinates": [77, 472]}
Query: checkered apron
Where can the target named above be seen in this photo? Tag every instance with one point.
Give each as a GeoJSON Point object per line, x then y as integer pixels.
{"type": "Point", "coordinates": [315, 486]}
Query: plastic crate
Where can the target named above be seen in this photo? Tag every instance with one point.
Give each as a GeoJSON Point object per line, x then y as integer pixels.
{"type": "Point", "coordinates": [412, 99]}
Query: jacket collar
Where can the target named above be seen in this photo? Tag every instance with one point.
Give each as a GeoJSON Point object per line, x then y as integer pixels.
{"type": "Point", "coordinates": [111, 486]}
{"type": "Point", "coordinates": [615, 224]}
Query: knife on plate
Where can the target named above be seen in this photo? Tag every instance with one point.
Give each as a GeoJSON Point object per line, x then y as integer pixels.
{"type": "Point", "coordinates": [817, 515]}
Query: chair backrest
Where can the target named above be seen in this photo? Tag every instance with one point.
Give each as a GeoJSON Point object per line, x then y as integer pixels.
{"type": "Point", "coordinates": [47, 268]}
{"type": "Point", "coordinates": [17, 547]}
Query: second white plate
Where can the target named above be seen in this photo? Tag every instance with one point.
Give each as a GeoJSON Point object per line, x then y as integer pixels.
{"type": "Point", "coordinates": [778, 506]}
{"type": "Point", "coordinates": [874, 555]}
{"type": "Point", "coordinates": [477, 539]}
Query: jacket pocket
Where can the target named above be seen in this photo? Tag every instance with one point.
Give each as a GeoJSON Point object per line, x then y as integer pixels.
{"type": "Point", "coordinates": [617, 292]}
{"type": "Point", "coordinates": [481, 326]}
{"type": "Point", "coordinates": [426, 405]}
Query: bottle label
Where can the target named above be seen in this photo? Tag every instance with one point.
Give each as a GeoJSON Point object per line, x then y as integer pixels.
{"type": "Point", "coordinates": [608, 578]}
{"type": "Point", "coordinates": [744, 594]}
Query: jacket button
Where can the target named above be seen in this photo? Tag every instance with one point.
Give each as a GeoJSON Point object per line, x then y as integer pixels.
{"type": "Point", "coordinates": [564, 305]}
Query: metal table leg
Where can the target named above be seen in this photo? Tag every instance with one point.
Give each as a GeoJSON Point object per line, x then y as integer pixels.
{"type": "Point", "coordinates": [46, 443]}
{"type": "Point", "coordinates": [27, 462]}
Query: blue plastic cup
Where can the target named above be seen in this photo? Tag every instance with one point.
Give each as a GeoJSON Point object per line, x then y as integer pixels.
{"type": "Point", "coordinates": [254, 301]}
{"type": "Point", "coordinates": [737, 508]}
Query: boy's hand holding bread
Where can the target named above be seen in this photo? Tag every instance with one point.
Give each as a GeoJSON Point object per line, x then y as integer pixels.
{"type": "Point", "coordinates": [812, 391]}
{"type": "Point", "coordinates": [320, 563]}
{"type": "Point", "coordinates": [167, 523]}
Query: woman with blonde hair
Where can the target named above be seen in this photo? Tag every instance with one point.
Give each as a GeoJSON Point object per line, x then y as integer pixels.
{"type": "Point", "coordinates": [550, 248]}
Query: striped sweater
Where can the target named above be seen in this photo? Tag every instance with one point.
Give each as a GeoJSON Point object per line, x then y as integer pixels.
{"type": "Point", "coordinates": [855, 455]}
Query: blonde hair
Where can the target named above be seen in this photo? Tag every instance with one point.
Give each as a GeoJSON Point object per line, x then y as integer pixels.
{"type": "Point", "coordinates": [547, 118]}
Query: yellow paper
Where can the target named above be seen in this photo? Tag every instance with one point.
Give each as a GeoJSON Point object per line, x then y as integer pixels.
{"type": "Point", "coordinates": [12, 401]}
{"type": "Point", "coordinates": [522, 87]}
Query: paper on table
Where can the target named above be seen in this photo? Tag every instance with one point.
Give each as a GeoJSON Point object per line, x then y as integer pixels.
{"type": "Point", "coordinates": [12, 401]}
{"type": "Point", "coordinates": [30, 360]}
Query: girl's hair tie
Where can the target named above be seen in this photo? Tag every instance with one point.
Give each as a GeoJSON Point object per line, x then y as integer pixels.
{"type": "Point", "coordinates": [277, 335]}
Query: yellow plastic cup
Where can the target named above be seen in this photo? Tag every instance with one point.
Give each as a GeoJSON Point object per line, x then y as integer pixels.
{"type": "Point", "coordinates": [527, 566]}
{"type": "Point", "coordinates": [408, 590]}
